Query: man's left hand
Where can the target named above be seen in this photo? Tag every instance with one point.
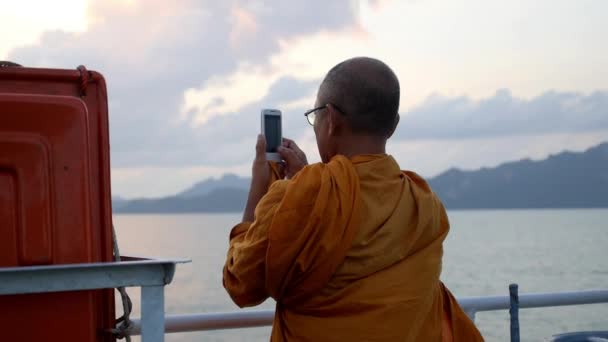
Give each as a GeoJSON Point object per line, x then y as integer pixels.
{"type": "Point", "coordinates": [260, 179]}
{"type": "Point", "coordinates": [260, 170]}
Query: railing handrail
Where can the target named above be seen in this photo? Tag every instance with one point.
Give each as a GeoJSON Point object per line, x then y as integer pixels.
{"type": "Point", "coordinates": [150, 274]}
{"type": "Point", "coordinates": [471, 305]}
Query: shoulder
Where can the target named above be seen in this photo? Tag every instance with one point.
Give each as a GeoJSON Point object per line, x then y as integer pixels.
{"type": "Point", "coordinates": [309, 170]}
{"type": "Point", "coordinates": [308, 177]}
{"type": "Point", "coordinates": [276, 191]}
{"type": "Point", "coordinates": [421, 189]}
{"type": "Point", "coordinates": [302, 189]}
{"type": "Point", "coordinates": [417, 180]}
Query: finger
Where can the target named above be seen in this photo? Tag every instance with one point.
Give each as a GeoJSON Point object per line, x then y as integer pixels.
{"type": "Point", "coordinates": [292, 144]}
{"type": "Point", "coordinates": [260, 147]}
{"type": "Point", "coordinates": [299, 153]}
{"type": "Point", "coordinates": [288, 155]}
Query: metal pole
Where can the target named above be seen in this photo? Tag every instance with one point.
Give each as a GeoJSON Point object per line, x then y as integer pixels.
{"type": "Point", "coordinates": [514, 312]}
{"type": "Point", "coordinates": [212, 321]}
{"type": "Point", "coordinates": [471, 313]}
{"type": "Point", "coordinates": [153, 313]}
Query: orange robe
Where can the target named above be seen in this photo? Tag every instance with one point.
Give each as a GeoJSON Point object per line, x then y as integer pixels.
{"type": "Point", "coordinates": [351, 251]}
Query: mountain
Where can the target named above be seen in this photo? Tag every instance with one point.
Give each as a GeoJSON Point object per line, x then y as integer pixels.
{"type": "Point", "coordinates": [219, 200]}
{"type": "Point", "coordinates": [118, 202]}
{"type": "Point", "coordinates": [228, 180]}
{"type": "Point", "coordinates": [565, 180]}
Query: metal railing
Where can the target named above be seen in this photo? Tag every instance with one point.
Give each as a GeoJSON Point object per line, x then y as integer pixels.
{"type": "Point", "coordinates": [471, 305]}
{"type": "Point", "coordinates": [150, 274]}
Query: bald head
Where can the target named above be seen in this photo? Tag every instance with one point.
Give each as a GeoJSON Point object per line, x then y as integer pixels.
{"type": "Point", "coordinates": [367, 90]}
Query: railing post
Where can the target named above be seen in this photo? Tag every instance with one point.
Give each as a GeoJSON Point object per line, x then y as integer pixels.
{"type": "Point", "coordinates": [153, 313]}
{"type": "Point", "coordinates": [514, 312]}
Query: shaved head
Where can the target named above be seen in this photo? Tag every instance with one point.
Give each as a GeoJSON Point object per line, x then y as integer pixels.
{"type": "Point", "coordinates": [367, 91]}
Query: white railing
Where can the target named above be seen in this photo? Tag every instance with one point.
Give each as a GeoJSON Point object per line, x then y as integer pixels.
{"type": "Point", "coordinates": [150, 274]}
{"type": "Point", "coordinates": [471, 305]}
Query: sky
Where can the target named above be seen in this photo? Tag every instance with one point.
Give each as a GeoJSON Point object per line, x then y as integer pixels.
{"type": "Point", "coordinates": [482, 81]}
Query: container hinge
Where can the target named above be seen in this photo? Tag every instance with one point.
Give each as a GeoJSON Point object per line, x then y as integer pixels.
{"type": "Point", "coordinates": [6, 64]}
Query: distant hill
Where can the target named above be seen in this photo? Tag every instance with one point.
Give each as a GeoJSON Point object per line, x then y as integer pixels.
{"type": "Point", "coordinates": [118, 202]}
{"type": "Point", "coordinates": [228, 180]}
{"type": "Point", "coordinates": [226, 194]}
{"type": "Point", "coordinates": [565, 180]}
{"type": "Point", "coordinates": [217, 201]}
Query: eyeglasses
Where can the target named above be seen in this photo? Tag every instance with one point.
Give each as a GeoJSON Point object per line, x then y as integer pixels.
{"type": "Point", "coordinates": [311, 114]}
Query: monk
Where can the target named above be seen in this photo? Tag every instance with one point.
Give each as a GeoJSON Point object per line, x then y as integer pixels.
{"type": "Point", "coordinates": [350, 248]}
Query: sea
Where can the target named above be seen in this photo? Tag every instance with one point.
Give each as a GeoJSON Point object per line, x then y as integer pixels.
{"type": "Point", "coordinates": [486, 250]}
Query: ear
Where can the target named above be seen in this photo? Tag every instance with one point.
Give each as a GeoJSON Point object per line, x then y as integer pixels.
{"type": "Point", "coordinates": [397, 118]}
{"type": "Point", "coordinates": [334, 121]}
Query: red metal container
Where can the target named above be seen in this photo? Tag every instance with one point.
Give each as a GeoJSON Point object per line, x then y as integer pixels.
{"type": "Point", "coordinates": [55, 203]}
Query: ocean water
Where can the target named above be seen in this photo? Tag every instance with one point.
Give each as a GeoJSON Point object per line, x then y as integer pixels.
{"type": "Point", "coordinates": [541, 250]}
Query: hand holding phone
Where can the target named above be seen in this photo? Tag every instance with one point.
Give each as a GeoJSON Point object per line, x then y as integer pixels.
{"type": "Point", "coordinates": [293, 157]}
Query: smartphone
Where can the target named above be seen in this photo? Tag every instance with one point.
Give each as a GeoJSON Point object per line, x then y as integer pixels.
{"type": "Point", "coordinates": [271, 128]}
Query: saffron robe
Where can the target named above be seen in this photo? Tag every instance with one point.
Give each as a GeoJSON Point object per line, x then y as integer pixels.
{"type": "Point", "coordinates": [351, 251]}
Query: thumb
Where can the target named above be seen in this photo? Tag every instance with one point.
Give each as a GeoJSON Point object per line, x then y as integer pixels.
{"type": "Point", "coordinates": [260, 147]}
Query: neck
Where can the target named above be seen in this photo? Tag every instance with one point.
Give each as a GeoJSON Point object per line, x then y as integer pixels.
{"type": "Point", "coordinates": [361, 144]}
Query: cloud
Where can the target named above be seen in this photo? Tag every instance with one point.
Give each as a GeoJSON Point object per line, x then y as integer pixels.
{"type": "Point", "coordinates": [68, 15]}
{"type": "Point", "coordinates": [187, 79]}
{"type": "Point", "coordinates": [442, 117]}
{"type": "Point", "coordinates": [296, 58]}
{"type": "Point", "coordinates": [151, 52]}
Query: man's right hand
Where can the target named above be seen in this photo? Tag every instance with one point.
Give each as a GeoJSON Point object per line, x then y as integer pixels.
{"type": "Point", "coordinates": [294, 157]}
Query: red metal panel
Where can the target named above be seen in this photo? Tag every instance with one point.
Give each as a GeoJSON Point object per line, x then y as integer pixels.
{"type": "Point", "coordinates": [26, 157]}
{"type": "Point", "coordinates": [8, 214]}
{"type": "Point", "coordinates": [54, 198]}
